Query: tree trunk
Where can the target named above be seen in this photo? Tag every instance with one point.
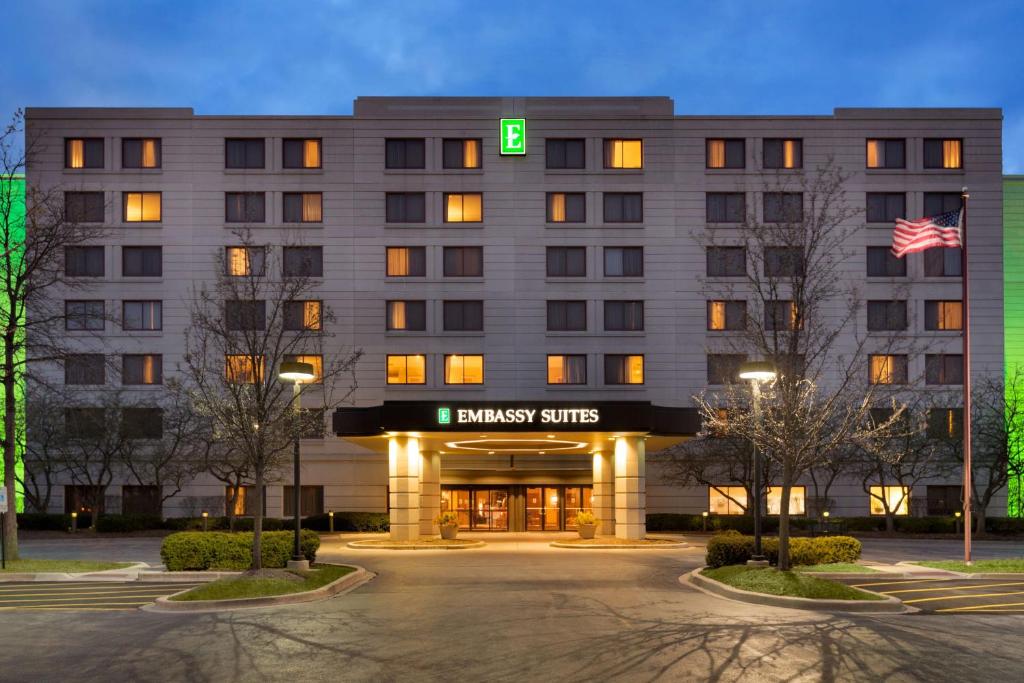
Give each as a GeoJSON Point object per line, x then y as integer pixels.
{"type": "Point", "coordinates": [787, 485]}
{"type": "Point", "coordinates": [10, 448]}
{"type": "Point", "coordinates": [890, 522]}
{"type": "Point", "coordinates": [979, 520]}
{"type": "Point", "coordinates": [257, 525]}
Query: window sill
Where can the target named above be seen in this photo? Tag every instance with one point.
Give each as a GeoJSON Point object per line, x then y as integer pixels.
{"type": "Point", "coordinates": [624, 278]}
{"type": "Point", "coordinates": [461, 333]}
{"type": "Point", "coordinates": [725, 171]}
{"type": "Point", "coordinates": [463, 387]}
{"type": "Point", "coordinates": [132, 279]}
{"type": "Point", "coordinates": [139, 224]}
{"type": "Point", "coordinates": [406, 171]}
{"type": "Point", "coordinates": [433, 226]}
{"type": "Point", "coordinates": [567, 171]}
{"type": "Point", "coordinates": [303, 171]}
{"type": "Point", "coordinates": [568, 333]}
{"type": "Point", "coordinates": [245, 171]}
{"type": "Point", "coordinates": [621, 171]}
{"type": "Point", "coordinates": [885, 171]}
{"type": "Point", "coordinates": [942, 171]}
{"type": "Point", "coordinates": [399, 334]}
{"type": "Point", "coordinates": [553, 279]}
{"type": "Point", "coordinates": [625, 333]}
{"type": "Point", "coordinates": [567, 387]}
{"type": "Point", "coordinates": [143, 171]}
{"type": "Point", "coordinates": [565, 224]}
{"type": "Point", "coordinates": [463, 171]}
{"type": "Point", "coordinates": [622, 225]}
{"type": "Point", "coordinates": [623, 387]}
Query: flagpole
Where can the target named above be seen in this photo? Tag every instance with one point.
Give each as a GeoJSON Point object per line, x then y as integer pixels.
{"type": "Point", "coordinates": [968, 521]}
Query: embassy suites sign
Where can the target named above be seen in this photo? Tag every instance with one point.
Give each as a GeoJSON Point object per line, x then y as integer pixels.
{"type": "Point", "coordinates": [519, 416]}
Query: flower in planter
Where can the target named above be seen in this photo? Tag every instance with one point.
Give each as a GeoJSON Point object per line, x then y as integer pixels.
{"type": "Point", "coordinates": [585, 518]}
{"type": "Point", "coordinates": [447, 519]}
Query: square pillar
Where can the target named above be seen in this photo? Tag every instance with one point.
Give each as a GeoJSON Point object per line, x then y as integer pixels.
{"type": "Point", "coordinates": [604, 493]}
{"type": "Point", "coordinates": [430, 492]}
{"type": "Point", "coordinates": [404, 463]}
{"type": "Point", "coordinates": [630, 488]}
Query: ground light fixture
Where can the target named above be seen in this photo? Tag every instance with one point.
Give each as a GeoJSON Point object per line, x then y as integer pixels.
{"type": "Point", "coordinates": [330, 521]}
{"type": "Point", "coordinates": [74, 522]}
{"type": "Point", "coordinates": [704, 520]}
{"type": "Point", "coordinates": [297, 373]}
{"type": "Point", "coordinates": [755, 372]}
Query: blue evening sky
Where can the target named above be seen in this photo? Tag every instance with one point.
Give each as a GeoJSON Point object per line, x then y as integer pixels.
{"type": "Point", "coordinates": [714, 57]}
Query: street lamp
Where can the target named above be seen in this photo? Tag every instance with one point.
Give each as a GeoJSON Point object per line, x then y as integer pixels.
{"type": "Point", "coordinates": [297, 373]}
{"type": "Point", "coordinates": [756, 372]}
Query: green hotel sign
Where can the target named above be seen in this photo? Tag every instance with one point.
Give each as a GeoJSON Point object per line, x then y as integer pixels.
{"type": "Point", "coordinates": [513, 136]}
{"type": "Point", "coordinates": [444, 416]}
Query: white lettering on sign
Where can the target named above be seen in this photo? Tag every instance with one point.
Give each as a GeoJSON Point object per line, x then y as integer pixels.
{"type": "Point", "coordinates": [527, 415]}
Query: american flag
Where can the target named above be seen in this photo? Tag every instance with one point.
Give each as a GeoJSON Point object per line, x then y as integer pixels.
{"type": "Point", "coordinates": [943, 230]}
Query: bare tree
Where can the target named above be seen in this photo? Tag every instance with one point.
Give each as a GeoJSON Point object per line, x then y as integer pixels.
{"type": "Point", "coordinates": [260, 310]}
{"type": "Point", "coordinates": [44, 452]}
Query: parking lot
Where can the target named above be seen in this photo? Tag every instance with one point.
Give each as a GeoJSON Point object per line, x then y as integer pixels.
{"type": "Point", "coordinates": [91, 596]}
{"type": "Point", "coordinates": [953, 596]}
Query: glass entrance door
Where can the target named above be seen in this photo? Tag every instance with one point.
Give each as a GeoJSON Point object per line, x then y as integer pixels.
{"type": "Point", "coordinates": [477, 508]}
{"type": "Point", "coordinates": [554, 508]}
{"type": "Point", "coordinates": [577, 499]}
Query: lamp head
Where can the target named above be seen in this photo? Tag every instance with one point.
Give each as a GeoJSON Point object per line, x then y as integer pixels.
{"type": "Point", "coordinates": [704, 514]}
{"type": "Point", "coordinates": [294, 371]}
{"type": "Point", "coordinates": [957, 514]}
{"type": "Point", "coordinates": [757, 371]}
{"type": "Point", "coordinates": [205, 513]}
{"type": "Point", "coordinates": [825, 513]}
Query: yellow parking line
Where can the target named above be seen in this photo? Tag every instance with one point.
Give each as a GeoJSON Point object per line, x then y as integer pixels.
{"type": "Point", "coordinates": [955, 588]}
{"type": "Point", "coordinates": [103, 606]}
{"type": "Point", "coordinates": [979, 608]}
{"type": "Point", "coordinates": [57, 594]}
{"type": "Point", "coordinates": [894, 581]}
{"type": "Point", "coordinates": [56, 584]}
{"type": "Point", "coordinates": [962, 597]}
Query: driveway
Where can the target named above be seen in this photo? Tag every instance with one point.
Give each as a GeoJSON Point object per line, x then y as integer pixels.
{"type": "Point", "coordinates": [514, 610]}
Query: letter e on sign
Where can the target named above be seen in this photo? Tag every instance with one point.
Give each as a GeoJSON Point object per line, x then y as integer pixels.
{"type": "Point", "coordinates": [513, 136]}
{"type": "Point", "coordinates": [444, 416]}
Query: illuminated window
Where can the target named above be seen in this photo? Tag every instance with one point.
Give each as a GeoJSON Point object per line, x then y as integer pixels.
{"type": "Point", "coordinates": [302, 315]}
{"type": "Point", "coordinates": [142, 368]}
{"type": "Point", "coordinates": [567, 207]}
{"type": "Point", "coordinates": [245, 500]}
{"type": "Point", "coordinates": [623, 153]}
{"type": "Point", "coordinates": [303, 207]}
{"type": "Point", "coordinates": [409, 369]}
{"type": "Point", "coordinates": [943, 153]}
{"type": "Point", "coordinates": [406, 261]}
{"type": "Point", "coordinates": [727, 500]}
{"type": "Point", "coordinates": [142, 315]}
{"type": "Point", "coordinates": [463, 208]}
{"type": "Point", "coordinates": [83, 153]}
{"type": "Point", "coordinates": [886, 153]}
{"type": "Point", "coordinates": [887, 369]}
{"type": "Point", "coordinates": [407, 316]}
{"type": "Point", "coordinates": [461, 369]}
{"type": "Point", "coordinates": [727, 315]}
{"type": "Point", "coordinates": [623, 369]}
{"type": "Point", "coordinates": [245, 260]}
{"type": "Point", "coordinates": [797, 498]}
{"type": "Point", "coordinates": [567, 369]}
{"type": "Point", "coordinates": [243, 368]}
{"type": "Point", "coordinates": [302, 153]}
{"type": "Point", "coordinates": [316, 360]}
{"type": "Point", "coordinates": [894, 498]}
{"type": "Point", "coordinates": [722, 153]}
{"type": "Point", "coordinates": [943, 315]}
{"type": "Point", "coordinates": [142, 207]}
{"type": "Point", "coordinates": [140, 153]}
{"type": "Point", "coordinates": [461, 153]}
{"type": "Point", "coordinates": [783, 153]}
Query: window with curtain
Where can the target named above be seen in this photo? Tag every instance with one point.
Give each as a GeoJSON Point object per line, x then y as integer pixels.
{"type": "Point", "coordinates": [140, 153]}
{"type": "Point", "coordinates": [405, 207]}
{"type": "Point", "coordinates": [85, 423]}
{"type": "Point", "coordinates": [243, 261]}
{"type": "Point", "coordinates": [84, 315]}
{"type": "Point", "coordinates": [463, 261]}
{"type": "Point", "coordinates": [726, 153]}
{"type": "Point", "coordinates": [886, 207]}
{"type": "Point", "coordinates": [302, 315]}
{"type": "Point", "coordinates": [887, 316]}
{"type": "Point", "coordinates": [142, 368]}
{"type": "Point", "coordinates": [84, 262]}
{"type": "Point", "coordinates": [303, 207]}
{"type": "Point", "coordinates": [945, 423]}
{"type": "Point", "coordinates": [567, 316]}
{"type": "Point", "coordinates": [465, 207]}
{"type": "Point", "coordinates": [461, 153]}
{"type": "Point", "coordinates": [943, 153]}
{"type": "Point", "coordinates": [726, 261]}
{"type": "Point", "coordinates": [311, 501]}
{"type": "Point", "coordinates": [142, 423]}
{"type": "Point", "coordinates": [781, 315]}
{"type": "Point", "coordinates": [244, 369]}
{"type": "Point", "coordinates": [887, 369]}
{"type": "Point", "coordinates": [623, 207]}
{"type": "Point", "coordinates": [724, 368]}
{"type": "Point", "coordinates": [83, 153]}
{"type": "Point", "coordinates": [886, 153]}
{"type": "Point", "coordinates": [565, 153]}
{"type": "Point", "coordinates": [725, 207]}
{"type": "Point", "coordinates": [85, 368]}
{"type": "Point", "coordinates": [142, 315]}
{"type": "Point", "coordinates": [142, 261]}
{"type": "Point", "coordinates": [407, 369]}
{"type": "Point", "coordinates": [566, 261]}
{"type": "Point", "coordinates": [406, 261]}
{"type": "Point", "coordinates": [242, 153]}
{"type": "Point", "coordinates": [463, 369]}
{"type": "Point", "coordinates": [303, 262]}
{"type": "Point", "coordinates": [84, 207]}
{"type": "Point", "coordinates": [405, 153]}
{"type": "Point", "coordinates": [623, 261]}
{"type": "Point", "coordinates": [894, 498]}
{"type": "Point", "coordinates": [783, 262]}
{"type": "Point", "coordinates": [943, 315]}
{"type": "Point", "coordinates": [797, 500]}
{"type": "Point", "coordinates": [142, 207]}
{"type": "Point", "coordinates": [623, 369]}
{"type": "Point", "coordinates": [944, 368]}
{"type": "Point", "coordinates": [245, 315]}
{"type": "Point", "coordinates": [623, 316]}
{"type": "Point", "coordinates": [941, 202]}
{"type": "Point", "coordinates": [727, 315]}
{"type": "Point", "coordinates": [783, 153]}
{"type": "Point", "coordinates": [727, 500]}
{"type": "Point", "coordinates": [301, 153]}
{"type": "Point", "coordinates": [621, 153]}
{"type": "Point", "coordinates": [567, 207]}
{"type": "Point", "coordinates": [567, 369]}
{"type": "Point", "coordinates": [245, 500]}
{"type": "Point", "coordinates": [943, 262]}
{"type": "Point", "coordinates": [463, 316]}
{"type": "Point", "coordinates": [783, 207]}
{"type": "Point", "coordinates": [407, 316]}
{"type": "Point", "coordinates": [882, 263]}
{"type": "Point", "coordinates": [245, 207]}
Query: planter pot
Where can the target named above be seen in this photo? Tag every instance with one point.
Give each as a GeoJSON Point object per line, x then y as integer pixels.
{"type": "Point", "coordinates": [588, 530]}
{"type": "Point", "coordinates": [449, 533]}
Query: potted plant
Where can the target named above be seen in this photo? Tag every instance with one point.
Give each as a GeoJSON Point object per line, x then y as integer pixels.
{"type": "Point", "coordinates": [449, 524]}
{"type": "Point", "coordinates": [587, 523]}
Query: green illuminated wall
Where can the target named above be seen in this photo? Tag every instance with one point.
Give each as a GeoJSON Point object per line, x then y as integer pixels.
{"type": "Point", "coordinates": [12, 189]}
{"type": "Point", "coordinates": [1013, 304]}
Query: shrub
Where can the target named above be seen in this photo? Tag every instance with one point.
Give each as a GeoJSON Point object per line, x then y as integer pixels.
{"type": "Point", "coordinates": [129, 522]}
{"type": "Point", "coordinates": [728, 548]}
{"type": "Point", "coordinates": [447, 518]}
{"type": "Point", "coordinates": [1005, 525]}
{"type": "Point", "coordinates": [733, 548]}
{"type": "Point", "coordinates": [349, 521]}
{"type": "Point", "coordinates": [832, 549]}
{"type": "Point", "coordinates": [196, 550]}
{"type": "Point", "coordinates": [863, 523]}
{"type": "Point", "coordinates": [45, 521]}
{"type": "Point", "coordinates": [926, 525]}
{"type": "Point", "coordinates": [585, 517]}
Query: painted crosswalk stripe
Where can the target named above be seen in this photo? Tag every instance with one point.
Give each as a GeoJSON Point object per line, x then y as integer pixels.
{"type": "Point", "coordinates": [992, 608]}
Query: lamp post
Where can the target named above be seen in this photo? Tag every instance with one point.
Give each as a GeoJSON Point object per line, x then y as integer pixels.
{"type": "Point", "coordinates": [297, 373]}
{"type": "Point", "coordinates": [756, 372]}
{"type": "Point", "coordinates": [704, 520]}
{"type": "Point", "coordinates": [206, 517]}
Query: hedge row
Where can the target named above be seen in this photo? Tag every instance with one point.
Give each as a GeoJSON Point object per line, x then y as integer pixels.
{"type": "Point", "coordinates": [195, 550]}
{"type": "Point", "coordinates": [114, 523]}
{"type": "Point", "coordinates": [745, 523]}
{"type": "Point", "coordinates": [732, 547]}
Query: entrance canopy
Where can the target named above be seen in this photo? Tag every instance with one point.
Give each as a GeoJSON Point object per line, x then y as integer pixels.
{"type": "Point", "coordinates": [513, 427]}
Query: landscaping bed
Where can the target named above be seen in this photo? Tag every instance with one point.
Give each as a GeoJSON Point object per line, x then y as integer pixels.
{"type": "Point", "coordinates": [1007, 566]}
{"type": "Point", "coordinates": [837, 568]}
{"type": "Point", "coordinates": [266, 583]}
{"type": "Point", "coordinates": [771, 581]}
{"type": "Point", "coordinates": [30, 566]}
{"type": "Point", "coordinates": [198, 550]}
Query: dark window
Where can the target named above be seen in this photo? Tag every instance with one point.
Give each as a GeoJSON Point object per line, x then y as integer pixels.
{"type": "Point", "coordinates": [567, 261]}
{"type": "Point", "coordinates": [783, 262]}
{"type": "Point", "coordinates": [726, 261]}
{"type": "Point", "coordinates": [567, 316]}
{"type": "Point", "coordinates": [407, 316]}
{"type": "Point", "coordinates": [303, 315]}
{"type": "Point", "coordinates": [623, 369]}
{"type": "Point", "coordinates": [565, 153]}
{"type": "Point", "coordinates": [623, 261]}
{"type": "Point", "coordinates": [84, 262]}
{"type": "Point", "coordinates": [463, 316]}
{"type": "Point", "coordinates": [405, 153]}
{"type": "Point", "coordinates": [463, 261]}
{"type": "Point", "coordinates": [779, 315]}
{"type": "Point", "coordinates": [623, 316]}
{"type": "Point", "coordinates": [886, 207]}
{"type": "Point", "coordinates": [406, 261]}
{"type": "Point", "coordinates": [943, 315]}
{"type": "Point", "coordinates": [725, 207]}
{"type": "Point", "coordinates": [566, 207]}
{"type": "Point", "coordinates": [83, 153]}
{"type": "Point", "coordinates": [82, 498]}
{"type": "Point", "coordinates": [245, 315]}
{"type": "Point", "coordinates": [142, 368]}
{"type": "Point", "coordinates": [941, 202]}
{"type": "Point", "coordinates": [727, 315]}
{"type": "Point", "coordinates": [406, 207]}
{"type": "Point", "coordinates": [84, 423]}
{"type": "Point", "coordinates": [83, 315]}
{"type": "Point", "coordinates": [142, 261]}
{"type": "Point", "coordinates": [304, 261]}
{"type": "Point", "coordinates": [84, 207]}
{"type": "Point", "coordinates": [140, 500]}
{"type": "Point", "coordinates": [302, 153]}
{"type": "Point", "coordinates": [85, 368]}
{"type": "Point", "coordinates": [882, 263]}
{"type": "Point", "coordinates": [887, 316]}
{"type": "Point", "coordinates": [245, 207]}
{"type": "Point", "coordinates": [886, 153]}
{"type": "Point", "coordinates": [244, 153]}
{"type": "Point", "coordinates": [722, 153]}
{"type": "Point", "coordinates": [142, 315]}
{"type": "Point", "coordinates": [945, 423]}
{"type": "Point", "coordinates": [141, 153]}
{"type": "Point", "coordinates": [311, 501]}
{"type": "Point", "coordinates": [943, 153]}
{"type": "Point", "coordinates": [783, 207]}
{"type": "Point", "coordinates": [944, 499]}
{"type": "Point", "coordinates": [623, 207]}
{"type": "Point", "coordinates": [724, 368]}
{"type": "Point", "coordinates": [943, 262]}
{"type": "Point", "coordinates": [303, 207]}
{"type": "Point", "coordinates": [312, 424]}
{"type": "Point", "coordinates": [462, 153]}
{"type": "Point", "coordinates": [142, 423]}
{"type": "Point", "coordinates": [783, 153]}
{"type": "Point", "coordinates": [944, 368]}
